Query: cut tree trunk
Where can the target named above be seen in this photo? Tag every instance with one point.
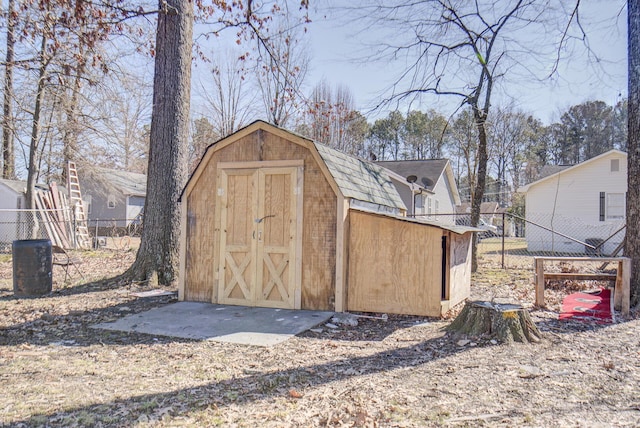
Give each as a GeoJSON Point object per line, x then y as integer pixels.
{"type": "Point", "coordinates": [505, 322]}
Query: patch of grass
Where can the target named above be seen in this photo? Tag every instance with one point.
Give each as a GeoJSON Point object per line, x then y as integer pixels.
{"type": "Point", "coordinates": [81, 418]}
{"type": "Point", "coordinates": [147, 406]}
{"type": "Point", "coordinates": [493, 276]}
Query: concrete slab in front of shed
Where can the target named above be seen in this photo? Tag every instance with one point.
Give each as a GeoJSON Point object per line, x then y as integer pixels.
{"type": "Point", "coordinates": [221, 323]}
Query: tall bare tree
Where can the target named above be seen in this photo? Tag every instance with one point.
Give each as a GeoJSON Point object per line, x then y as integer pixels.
{"type": "Point", "coordinates": [460, 49]}
{"type": "Point", "coordinates": [282, 69]}
{"type": "Point", "coordinates": [331, 117]}
{"type": "Point", "coordinates": [157, 257]}
{"type": "Point", "coordinates": [632, 242]}
{"type": "Point", "coordinates": [118, 136]}
{"type": "Point", "coordinates": [462, 136]}
{"type": "Point", "coordinates": [158, 253]}
{"type": "Point", "coordinates": [57, 41]}
{"type": "Point", "coordinates": [228, 100]}
{"type": "Point", "coordinates": [509, 131]}
{"type": "Point", "coordinates": [8, 128]}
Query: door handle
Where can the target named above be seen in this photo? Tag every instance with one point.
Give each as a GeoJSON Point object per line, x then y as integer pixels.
{"type": "Point", "coordinates": [259, 220]}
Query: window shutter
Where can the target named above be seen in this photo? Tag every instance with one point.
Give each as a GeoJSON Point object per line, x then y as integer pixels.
{"type": "Point", "coordinates": [602, 202]}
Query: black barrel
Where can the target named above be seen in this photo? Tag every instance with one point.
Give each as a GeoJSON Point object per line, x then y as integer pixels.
{"type": "Point", "coordinates": [32, 267]}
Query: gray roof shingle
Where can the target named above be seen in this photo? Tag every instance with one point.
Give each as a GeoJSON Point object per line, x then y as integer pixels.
{"type": "Point", "coordinates": [15, 185]}
{"type": "Point", "coordinates": [359, 179]}
{"type": "Point", "coordinates": [129, 183]}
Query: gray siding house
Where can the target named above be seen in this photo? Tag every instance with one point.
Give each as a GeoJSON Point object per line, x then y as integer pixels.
{"type": "Point", "coordinates": [433, 190]}
{"type": "Point", "coordinates": [112, 197]}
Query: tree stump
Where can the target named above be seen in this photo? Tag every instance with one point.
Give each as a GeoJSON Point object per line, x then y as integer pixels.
{"type": "Point", "coordinates": [505, 322]}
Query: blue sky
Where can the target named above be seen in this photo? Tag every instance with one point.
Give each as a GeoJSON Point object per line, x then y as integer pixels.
{"type": "Point", "coordinates": [334, 47]}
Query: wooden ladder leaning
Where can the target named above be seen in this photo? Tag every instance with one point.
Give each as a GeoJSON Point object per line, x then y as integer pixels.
{"type": "Point", "coordinates": [75, 201]}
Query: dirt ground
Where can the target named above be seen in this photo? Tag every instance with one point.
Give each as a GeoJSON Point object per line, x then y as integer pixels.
{"type": "Point", "coordinates": [55, 370]}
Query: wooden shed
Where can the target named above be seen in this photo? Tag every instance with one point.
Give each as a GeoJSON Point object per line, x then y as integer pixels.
{"type": "Point", "coordinates": [273, 219]}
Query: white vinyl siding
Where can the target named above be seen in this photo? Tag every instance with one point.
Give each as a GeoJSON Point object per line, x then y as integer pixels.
{"type": "Point", "coordinates": [444, 200]}
{"type": "Point", "coordinates": [570, 203]}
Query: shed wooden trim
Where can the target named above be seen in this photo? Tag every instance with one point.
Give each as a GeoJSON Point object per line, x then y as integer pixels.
{"type": "Point", "coordinates": [182, 250]}
{"type": "Point", "coordinates": [299, 193]}
{"type": "Point", "coordinates": [341, 254]}
{"type": "Point", "coordinates": [208, 153]}
{"type": "Point", "coordinates": [261, 164]}
{"type": "Point", "coordinates": [301, 141]}
{"type": "Point", "coordinates": [248, 130]}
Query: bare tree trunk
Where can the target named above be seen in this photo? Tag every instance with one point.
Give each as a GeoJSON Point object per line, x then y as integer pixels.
{"type": "Point", "coordinates": [70, 133]}
{"type": "Point", "coordinates": [34, 170]}
{"type": "Point", "coordinates": [632, 242]}
{"type": "Point", "coordinates": [159, 246]}
{"type": "Point", "coordinates": [8, 151]}
{"type": "Point", "coordinates": [477, 194]}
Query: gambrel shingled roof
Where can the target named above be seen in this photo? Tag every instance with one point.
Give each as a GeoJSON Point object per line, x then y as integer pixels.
{"type": "Point", "coordinates": [355, 178]}
{"type": "Point", "coordinates": [359, 179]}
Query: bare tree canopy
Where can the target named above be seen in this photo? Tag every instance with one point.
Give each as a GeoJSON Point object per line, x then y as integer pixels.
{"type": "Point", "coordinates": [466, 50]}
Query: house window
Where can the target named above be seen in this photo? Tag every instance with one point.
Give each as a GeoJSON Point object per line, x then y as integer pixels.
{"type": "Point", "coordinates": [87, 203]}
{"type": "Point", "coordinates": [111, 202]}
{"type": "Point", "coordinates": [615, 206]}
{"type": "Point", "coordinates": [429, 206]}
{"type": "Point", "coordinates": [437, 206]}
{"type": "Point", "coordinates": [615, 165]}
{"type": "Point", "coordinates": [419, 204]}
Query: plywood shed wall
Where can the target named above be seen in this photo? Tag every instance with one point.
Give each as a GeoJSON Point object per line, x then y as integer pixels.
{"type": "Point", "coordinates": [386, 273]}
{"type": "Point", "coordinates": [396, 266]}
{"type": "Point", "coordinates": [459, 261]}
{"type": "Point", "coordinates": [201, 233]}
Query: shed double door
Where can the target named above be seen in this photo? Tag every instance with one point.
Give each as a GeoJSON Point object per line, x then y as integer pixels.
{"type": "Point", "coordinates": [260, 228]}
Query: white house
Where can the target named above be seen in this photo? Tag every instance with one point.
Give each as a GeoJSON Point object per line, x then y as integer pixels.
{"type": "Point", "coordinates": [11, 199]}
{"type": "Point", "coordinates": [433, 187]}
{"type": "Point", "coordinates": [583, 203]}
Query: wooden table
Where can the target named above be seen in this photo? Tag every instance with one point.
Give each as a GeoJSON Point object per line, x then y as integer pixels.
{"type": "Point", "coordinates": [622, 277]}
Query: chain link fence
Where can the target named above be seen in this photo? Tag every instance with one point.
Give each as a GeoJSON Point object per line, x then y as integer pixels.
{"type": "Point", "coordinates": [27, 224]}
{"type": "Point", "coordinates": [505, 238]}
{"type": "Point", "coordinates": [40, 224]}
{"type": "Point", "coordinates": [512, 241]}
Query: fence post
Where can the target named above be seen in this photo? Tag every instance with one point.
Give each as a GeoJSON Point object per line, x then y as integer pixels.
{"type": "Point", "coordinates": [503, 229]}
{"type": "Point", "coordinates": [95, 238]}
{"type": "Point", "coordinates": [538, 267]}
